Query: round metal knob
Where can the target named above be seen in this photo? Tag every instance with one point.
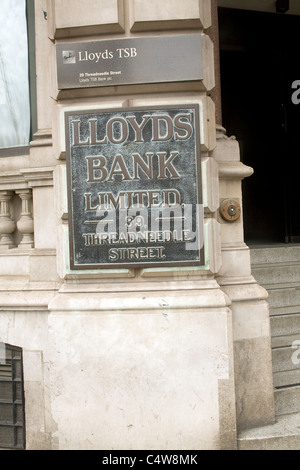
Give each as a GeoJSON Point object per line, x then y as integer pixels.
{"type": "Point", "coordinates": [230, 210]}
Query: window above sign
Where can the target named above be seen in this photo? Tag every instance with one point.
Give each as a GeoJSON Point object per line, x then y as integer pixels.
{"type": "Point", "coordinates": [15, 83]}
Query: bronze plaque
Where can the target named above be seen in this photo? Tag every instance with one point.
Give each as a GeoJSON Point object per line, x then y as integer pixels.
{"type": "Point", "coordinates": [129, 61]}
{"type": "Point", "coordinates": [134, 187]}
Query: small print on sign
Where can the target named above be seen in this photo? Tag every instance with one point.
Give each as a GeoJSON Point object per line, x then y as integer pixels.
{"type": "Point", "coordinates": [158, 59]}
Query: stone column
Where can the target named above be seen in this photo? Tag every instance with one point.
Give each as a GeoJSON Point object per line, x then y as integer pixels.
{"type": "Point", "coordinates": [213, 33]}
{"type": "Point", "coordinates": [7, 225]}
{"type": "Point", "coordinates": [25, 224]}
{"type": "Point", "coordinates": [250, 311]}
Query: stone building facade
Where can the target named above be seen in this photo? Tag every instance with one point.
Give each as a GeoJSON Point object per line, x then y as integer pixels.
{"type": "Point", "coordinates": [169, 357]}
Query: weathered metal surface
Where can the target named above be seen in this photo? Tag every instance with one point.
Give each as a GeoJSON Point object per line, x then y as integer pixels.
{"type": "Point", "coordinates": [134, 187]}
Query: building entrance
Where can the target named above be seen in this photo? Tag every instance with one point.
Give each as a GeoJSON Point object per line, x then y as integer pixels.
{"type": "Point", "coordinates": [259, 67]}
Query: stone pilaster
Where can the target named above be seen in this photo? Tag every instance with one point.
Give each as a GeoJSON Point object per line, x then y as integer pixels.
{"type": "Point", "coordinates": [251, 323]}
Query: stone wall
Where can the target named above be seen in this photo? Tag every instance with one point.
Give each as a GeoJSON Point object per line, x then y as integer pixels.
{"type": "Point", "coordinates": [147, 358]}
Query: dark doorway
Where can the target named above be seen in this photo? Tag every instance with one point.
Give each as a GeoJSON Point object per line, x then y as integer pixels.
{"type": "Point", "coordinates": [259, 54]}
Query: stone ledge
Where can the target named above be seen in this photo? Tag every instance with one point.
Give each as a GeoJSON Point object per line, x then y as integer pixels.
{"type": "Point", "coordinates": [28, 286]}
{"type": "Point", "coordinates": [42, 138]}
{"type": "Point", "coordinates": [26, 301]}
{"type": "Point", "coordinates": [130, 90]}
{"type": "Point", "coordinates": [159, 300]}
{"type": "Point", "coordinates": [234, 170]}
{"type": "Point", "coordinates": [26, 178]}
{"type": "Point", "coordinates": [243, 288]}
{"type": "Point", "coordinates": [38, 176]}
{"type": "Point", "coordinates": [138, 286]}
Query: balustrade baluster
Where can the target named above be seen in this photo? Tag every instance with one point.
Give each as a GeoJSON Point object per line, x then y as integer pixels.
{"type": "Point", "coordinates": [25, 223]}
{"type": "Point", "coordinates": [7, 225]}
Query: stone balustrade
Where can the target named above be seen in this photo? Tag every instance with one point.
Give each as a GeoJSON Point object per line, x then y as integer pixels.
{"type": "Point", "coordinates": [11, 221]}
{"type": "Point", "coordinates": [17, 192]}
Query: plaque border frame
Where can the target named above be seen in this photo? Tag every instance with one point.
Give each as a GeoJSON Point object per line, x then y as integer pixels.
{"type": "Point", "coordinates": [148, 264]}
